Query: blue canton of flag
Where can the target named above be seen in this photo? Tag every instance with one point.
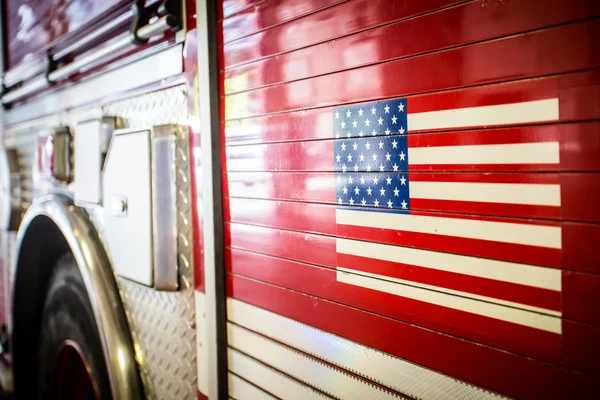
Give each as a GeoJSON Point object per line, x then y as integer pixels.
{"type": "Point", "coordinates": [371, 155]}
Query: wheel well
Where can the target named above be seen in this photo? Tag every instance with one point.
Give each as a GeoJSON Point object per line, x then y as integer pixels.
{"type": "Point", "coordinates": [41, 247]}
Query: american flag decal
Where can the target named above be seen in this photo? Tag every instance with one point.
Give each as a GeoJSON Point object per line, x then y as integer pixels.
{"type": "Point", "coordinates": [374, 190]}
{"type": "Point", "coordinates": [370, 147]}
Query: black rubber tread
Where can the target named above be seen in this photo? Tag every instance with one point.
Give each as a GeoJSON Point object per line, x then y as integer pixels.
{"type": "Point", "coordinates": [68, 315]}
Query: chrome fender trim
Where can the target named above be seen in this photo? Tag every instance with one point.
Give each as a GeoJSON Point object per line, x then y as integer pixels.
{"type": "Point", "coordinates": [95, 268]}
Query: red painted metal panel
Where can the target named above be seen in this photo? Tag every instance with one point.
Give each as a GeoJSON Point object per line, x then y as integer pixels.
{"type": "Point", "coordinates": [582, 296]}
{"type": "Point", "coordinates": [230, 7]}
{"type": "Point", "coordinates": [268, 14]}
{"type": "Point", "coordinates": [579, 193]}
{"type": "Point", "coordinates": [552, 51]}
{"type": "Point", "coordinates": [569, 350]}
{"type": "Point", "coordinates": [578, 251]}
{"type": "Point", "coordinates": [33, 25]}
{"type": "Point", "coordinates": [278, 85]}
{"type": "Point", "coordinates": [579, 144]}
{"type": "Point", "coordinates": [508, 373]}
{"type": "Point", "coordinates": [577, 303]}
{"type": "Point", "coordinates": [460, 25]}
{"type": "Point", "coordinates": [578, 96]}
{"type": "Point", "coordinates": [344, 19]}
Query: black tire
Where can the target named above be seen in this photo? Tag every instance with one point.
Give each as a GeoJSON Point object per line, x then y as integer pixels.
{"type": "Point", "coordinates": [68, 318]}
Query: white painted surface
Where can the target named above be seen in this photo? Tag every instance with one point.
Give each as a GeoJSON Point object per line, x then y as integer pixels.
{"type": "Point", "coordinates": [88, 163]}
{"type": "Point", "coordinates": [239, 389]}
{"type": "Point", "coordinates": [129, 234]}
{"type": "Point", "coordinates": [268, 379]}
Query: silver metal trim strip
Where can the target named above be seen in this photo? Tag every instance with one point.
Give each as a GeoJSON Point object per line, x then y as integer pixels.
{"type": "Point", "coordinates": [153, 68]}
{"type": "Point", "coordinates": [101, 287]}
{"type": "Point", "coordinates": [164, 207]}
{"type": "Point", "coordinates": [94, 35]}
{"type": "Point", "coordinates": [145, 32]}
{"type": "Point", "coordinates": [213, 233]}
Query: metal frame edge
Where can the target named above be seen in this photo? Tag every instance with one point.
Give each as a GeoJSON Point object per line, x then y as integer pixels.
{"type": "Point", "coordinates": [213, 225]}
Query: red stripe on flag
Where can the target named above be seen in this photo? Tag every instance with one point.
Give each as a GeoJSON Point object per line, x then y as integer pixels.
{"type": "Point", "coordinates": [533, 296]}
{"type": "Point", "coordinates": [511, 374]}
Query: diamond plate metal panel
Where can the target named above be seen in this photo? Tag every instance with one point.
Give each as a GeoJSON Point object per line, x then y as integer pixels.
{"type": "Point", "coordinates": [164, 337]}
{"type": "Point", "coordinates": [163, 323]}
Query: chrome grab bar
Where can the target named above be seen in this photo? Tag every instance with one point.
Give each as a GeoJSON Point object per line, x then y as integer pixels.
{"type": "Point", "coordinates": [145, 32]}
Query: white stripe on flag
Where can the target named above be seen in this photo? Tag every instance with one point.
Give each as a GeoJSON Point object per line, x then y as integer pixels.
{"type": "Point", "coordinates": [490, 154]}
{"type": "Point", "coordinates": [510, 193]}
{"type": "Point", "coordinates": [423, 293]}
{"type": "Point", "coordinates": [502, 114]}
{"type": "Point", "coordinates": [524, 234]}
{"type": "Point", "coordinates": [522, 274]}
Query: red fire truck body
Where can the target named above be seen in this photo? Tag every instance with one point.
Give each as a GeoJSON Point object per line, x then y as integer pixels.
{"type": "Point", "coordinates": [295, 199]}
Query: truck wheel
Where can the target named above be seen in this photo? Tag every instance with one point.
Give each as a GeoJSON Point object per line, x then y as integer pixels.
{"type": "Point", "coordinates": [71, 362]}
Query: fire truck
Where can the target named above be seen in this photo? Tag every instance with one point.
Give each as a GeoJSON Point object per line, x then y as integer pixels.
{"type": "Point", "coordinates": [300, 199]}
